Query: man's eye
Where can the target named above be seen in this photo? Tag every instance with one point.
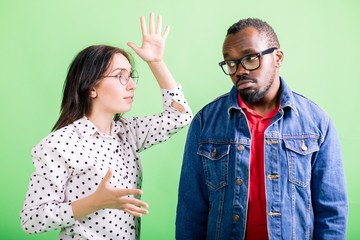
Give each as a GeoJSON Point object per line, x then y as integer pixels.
{"type": "Point", "coordinates": [231, 64]}
{"type": "Point", "coordinates": [250, 58]}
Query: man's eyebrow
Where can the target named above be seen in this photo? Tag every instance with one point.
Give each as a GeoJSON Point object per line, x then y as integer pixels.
{"type": "Point", "coordinates": [245, 52]}
{"type": "Point", "coordinates": [249, 51]}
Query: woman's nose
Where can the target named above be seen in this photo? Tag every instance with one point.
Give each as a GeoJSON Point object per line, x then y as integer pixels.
{"type": "Point", "coordinates": [131, 84]}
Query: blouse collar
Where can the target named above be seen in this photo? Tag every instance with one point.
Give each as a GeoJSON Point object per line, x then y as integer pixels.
{"type": "Point", "coordinates": [87, 128]}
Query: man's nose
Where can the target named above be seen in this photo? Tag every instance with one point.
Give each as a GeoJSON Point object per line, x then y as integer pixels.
{"type": "Point", "coordinates": [241, 70]}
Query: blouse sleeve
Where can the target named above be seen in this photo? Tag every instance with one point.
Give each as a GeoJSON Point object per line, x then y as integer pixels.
{"type": "Point", "coordinates": [45, 207]}
{"type": "Point", "coordinates": [150, 130]}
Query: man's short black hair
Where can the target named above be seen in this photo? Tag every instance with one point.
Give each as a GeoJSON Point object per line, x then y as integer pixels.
{"type": "Point", "coordinates": [261, 26]}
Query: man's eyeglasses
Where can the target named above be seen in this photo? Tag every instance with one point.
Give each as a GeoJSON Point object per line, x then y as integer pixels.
{"type": "Point", "coordinates": [124, 76]}
{"type": "Point", "coordinates": [249, 62]}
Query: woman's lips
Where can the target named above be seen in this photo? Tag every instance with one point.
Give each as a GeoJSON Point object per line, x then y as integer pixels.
{"type": "Point", "coordinates": [129, 98]}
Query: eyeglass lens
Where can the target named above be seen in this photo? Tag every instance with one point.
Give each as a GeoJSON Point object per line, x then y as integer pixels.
{"type": "Point", "coordinates": [250, 62]}
{"type": "Point", "coordinates": [125, 76]}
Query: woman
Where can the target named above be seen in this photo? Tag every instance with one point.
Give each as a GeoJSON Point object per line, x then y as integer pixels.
{"type": "Point", "coordinates": [88, 172]}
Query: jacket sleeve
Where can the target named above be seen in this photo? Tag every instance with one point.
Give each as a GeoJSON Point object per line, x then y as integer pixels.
{"type": "Point", "coordinates": [193, 205]}
{"type": "Point", "coordinates": [328, 185]}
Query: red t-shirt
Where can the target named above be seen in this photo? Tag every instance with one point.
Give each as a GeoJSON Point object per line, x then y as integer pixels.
{"type": "Point", "coordinates": [256, 227]}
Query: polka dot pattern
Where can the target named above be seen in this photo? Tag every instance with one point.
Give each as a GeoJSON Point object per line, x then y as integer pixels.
{"type": "Point", "coordinates": [70, 163]}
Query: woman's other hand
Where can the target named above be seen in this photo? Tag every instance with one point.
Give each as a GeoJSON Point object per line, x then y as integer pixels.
{"type": "Point", "coordinates": [107, 196]}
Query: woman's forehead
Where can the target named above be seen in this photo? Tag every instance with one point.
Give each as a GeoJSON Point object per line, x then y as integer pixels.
{"type": "Point", "coordinates": [119, 61]}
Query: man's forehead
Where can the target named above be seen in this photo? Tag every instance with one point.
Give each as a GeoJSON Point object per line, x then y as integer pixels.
{"type": "Point", "coordinates": [247, 41]}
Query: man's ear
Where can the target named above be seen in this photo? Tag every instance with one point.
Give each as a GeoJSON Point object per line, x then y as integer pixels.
{"type": "Point", "coordinates": [93, 93]}
{"type": "Point", "coordinates": [279, 57]}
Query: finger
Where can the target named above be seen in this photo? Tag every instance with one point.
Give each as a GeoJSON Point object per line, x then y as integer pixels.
{"type": "Point", "coordinates": [107, 176]}
{"type": "Point", "coordinates": [126, 201]}
{"type": "Point", "coordinates": [135, 202]}
{"type": "Point", "coordinates": [166, 32]}
{"type": "Point", "coordinates": [136, 214]}
{"type": "Point", "coordinates": [139, 203]}
{"type": "Point", "coordinates": [158, 25]}
{"type": "Point", "coordinates": [151, 23]}
{"type": "Point", "coordinates": [143, 26]}
{"type": "Point", "coordinates": [135, 209]}
{"type": "Point", "coordinates": [127, 192]}
{"type": "Point", "coordinates": [134, 47]}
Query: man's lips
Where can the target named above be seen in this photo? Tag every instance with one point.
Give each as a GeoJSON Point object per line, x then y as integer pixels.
{"type": "Point", "coordinates": [244, 83]}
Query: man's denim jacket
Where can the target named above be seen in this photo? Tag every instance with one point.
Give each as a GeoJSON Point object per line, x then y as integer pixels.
{"type": "Point", "coordinates": [304, 176]}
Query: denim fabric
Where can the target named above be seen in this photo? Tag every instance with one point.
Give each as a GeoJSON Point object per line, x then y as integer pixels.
{"type": "Point", "coordinates": [305, 183]}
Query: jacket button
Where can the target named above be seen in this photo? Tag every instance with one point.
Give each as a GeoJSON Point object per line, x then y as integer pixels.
{"type": "Point", "coordinates": [241, 147]}
{"type": "Point", "coordinates": [214, 154]}
{"type": "Point", "coordinates": [236, 218]}
{"type": "Point", "coordinates": [239, 182]}
{"type": "Point", "coordinates": [273, 176]}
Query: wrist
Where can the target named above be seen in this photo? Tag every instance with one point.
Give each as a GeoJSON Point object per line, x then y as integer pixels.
{"type": "Point", "coordinates": [93, 202]}
{"type": "Point", "coordinates": [155, 63]}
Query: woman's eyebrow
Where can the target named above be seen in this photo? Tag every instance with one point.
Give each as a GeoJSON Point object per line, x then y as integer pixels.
{"type": "Point", "coordinates": [116, 69]}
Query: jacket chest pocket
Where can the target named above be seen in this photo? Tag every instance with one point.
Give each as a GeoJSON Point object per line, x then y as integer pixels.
{"type": "Point", "coordinates": [299, 154]}
{"type": "Point", "coordinates": [215, 160]}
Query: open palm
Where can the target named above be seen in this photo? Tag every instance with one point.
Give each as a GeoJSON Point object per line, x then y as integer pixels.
{"type": "Point", "coordinates": [153, 44]}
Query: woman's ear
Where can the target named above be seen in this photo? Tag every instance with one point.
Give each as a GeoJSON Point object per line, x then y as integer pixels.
{"type": "Point", "coordinates": [93, 93]}
{"type": "Point", "coordinates": [279, 57]}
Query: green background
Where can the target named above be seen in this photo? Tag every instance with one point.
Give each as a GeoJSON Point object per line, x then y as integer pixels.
{"type": "Point", "coordinates": [320, 39]}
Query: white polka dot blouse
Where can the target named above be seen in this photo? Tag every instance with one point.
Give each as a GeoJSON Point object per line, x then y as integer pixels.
{"type": "Point", "coordinates": [70, 163]}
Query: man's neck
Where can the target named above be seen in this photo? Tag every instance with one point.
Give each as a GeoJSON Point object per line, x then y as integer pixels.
{"type": "Point", "coordinates": [264, 106]}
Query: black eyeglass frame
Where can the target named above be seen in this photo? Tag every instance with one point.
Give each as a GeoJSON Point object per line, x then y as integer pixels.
{"type": "Point", "coordinates": [135, 78]}
{"type": "Point", "coordinates": [240, 60]}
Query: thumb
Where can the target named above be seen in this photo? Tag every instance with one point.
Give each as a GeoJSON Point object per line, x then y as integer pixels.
{"type": "Point", "coordinates": [134, 47]}
{"type": "Point", "coordinates": [107, 176]}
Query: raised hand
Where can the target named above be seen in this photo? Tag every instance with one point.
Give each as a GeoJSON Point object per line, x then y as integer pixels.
{"type": "Point", "coordinates": [153, 44]}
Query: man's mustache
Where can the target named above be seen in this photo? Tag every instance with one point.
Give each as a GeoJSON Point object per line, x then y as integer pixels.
{"type": "Point", "coordinates": [243, 78]}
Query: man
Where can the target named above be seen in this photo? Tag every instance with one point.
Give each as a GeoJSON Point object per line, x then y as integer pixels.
{"type": "Point", "coordinates": [260, 162]}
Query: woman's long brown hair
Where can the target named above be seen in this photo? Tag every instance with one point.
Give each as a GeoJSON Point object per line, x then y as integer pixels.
{"type": "Point", "coordinates": [85, 71]}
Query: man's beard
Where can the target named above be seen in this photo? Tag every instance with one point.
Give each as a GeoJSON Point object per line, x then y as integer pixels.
{"type": "Point", "coordinates": [253, 97]}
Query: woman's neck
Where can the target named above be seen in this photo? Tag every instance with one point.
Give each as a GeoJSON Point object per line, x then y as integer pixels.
{"type": "Point", "coordinates": [102, 122]}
